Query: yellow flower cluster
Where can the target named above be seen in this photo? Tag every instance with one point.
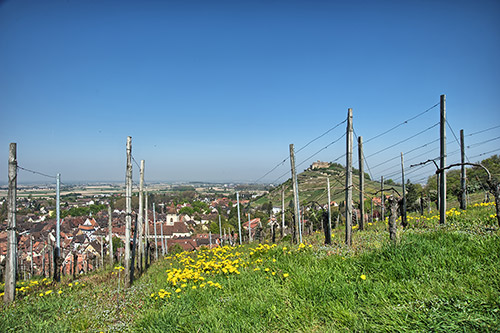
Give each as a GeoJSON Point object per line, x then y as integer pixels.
{"type": "Point", "coordinates": [484, 204]}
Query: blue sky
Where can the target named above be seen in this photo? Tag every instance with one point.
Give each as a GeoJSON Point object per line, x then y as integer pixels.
{"type": "Point", "coordinates": [217, 90]}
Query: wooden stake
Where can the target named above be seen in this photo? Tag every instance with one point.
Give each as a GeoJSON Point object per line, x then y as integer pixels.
{"type": "Point", "coordinates": [110, 235]}
{"type": "Point", "coordinates": [328, 229]}
{"type": "Point", "coordinates": [11, 259]}
{"type": "Point", "coordinates": [141, 218]}
{"type": "Point", "coordinates": [463, 174]}
{"type": "Point", "coordinates": [296, 203]}
{"type": "Point", "coordinates": [404, 223]}
{"type": "Point", "coordinates": [128, 209]}
{"type": "Point", "coordinates": [442, 179]}
{"type": "Point", "coordinates": [361, 184]}
{"type": "Point", "coordinates": [348, 181]}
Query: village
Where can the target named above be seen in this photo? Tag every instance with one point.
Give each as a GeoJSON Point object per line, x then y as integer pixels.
{"type": "Point", "coordinates": [85, 240]}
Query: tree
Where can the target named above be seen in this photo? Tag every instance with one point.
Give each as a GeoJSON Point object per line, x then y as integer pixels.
{"type": "Point", "coordinates": [117, 243]}
{"type": "Point", "coordinates": [413, 193]}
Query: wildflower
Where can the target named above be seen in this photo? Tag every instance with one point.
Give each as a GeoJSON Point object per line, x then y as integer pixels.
{"type": "Point", "coordinates": [152, 294]}
{"type": "Point", "coordinates": [193, 287]}
{"type": "Point", "coordinates": [41, 294]}
{"type": "Point", "coordinates": [59, 292]}
{"type": "Point", "coordinates": [178, 290]}
{"type": "Point", "coordinates": [286, 275]}
{"type": "Point", "coordinates": [363, 277]}
{"type": "Point", "coordinates": [48, 292]}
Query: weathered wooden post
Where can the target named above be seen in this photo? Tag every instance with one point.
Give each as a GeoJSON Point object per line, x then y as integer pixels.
{"type": "Point", "coordinates": [110, 235]}
{"type": "Point", "coordinates": [249, 229]}
{"type": "Point", "coordinates": [128, 209]}
{"type": "Point", "coordinates": [156, 234]}
{"type": "Point", "coordinates": [282, 211]}
{"type": "Point", "coordinates": [141, 218]}
{"type": "Point", "coordinates": [296, 202]}
{"type": "Point", "coordinates": [162, 242]}
{"type": "Point", "coordinates": [403, 209]}
{"type": "Point", "coordinates": [463, 174]}
{"type": "Point", "coordinates": [442, 179]}
{"type": "Point", "coordinates": [382, 199]}
{"type": "Point", "coordinates": [361, 184]}
{"type": "Point", "coordinates": [11, 260]}
{"type": "Point", "coordinates": [146, 218]}
{"type": "Point", "coordinates": [328, 227]}
{"type": "Point", "coordinates": [348, 181]}
{"type": "Point", "coordinates": [239, 217]}
{"type": "Point", "coordinates": [134, 246]}
{"type": "Point", "coordinates": [57, 249]}
{"type": "Point", "coordinates": [393, 208]}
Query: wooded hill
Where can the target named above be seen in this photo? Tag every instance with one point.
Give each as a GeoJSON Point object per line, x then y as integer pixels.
{"type": "Point", "coordinates": [313, 187]}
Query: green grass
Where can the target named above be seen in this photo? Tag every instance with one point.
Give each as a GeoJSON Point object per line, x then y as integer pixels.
{"type": "Point", "coordinates": [433, 279]}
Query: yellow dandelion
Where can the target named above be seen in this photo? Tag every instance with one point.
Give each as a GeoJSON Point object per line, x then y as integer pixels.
{"type": "Point", "coordinates": [363, 277]}
{"type": "Point", "coordinates": [178, 290]}
{"type": "Point", "coordinates": [59, 292]}
{"type": "Point", "coordinates": [286, 275]}
{"type": "Point", "coordinates": [48, 292]}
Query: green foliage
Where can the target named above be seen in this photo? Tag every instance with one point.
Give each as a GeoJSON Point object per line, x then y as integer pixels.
{"type": "Point", "coordinates": [117, 243]}
{"type": "Point", "coordinates": [174, 249]}
{"type": "Point", "coordinates": [83, 211]}
{"type": "Point", "coordinates": [413, 193]}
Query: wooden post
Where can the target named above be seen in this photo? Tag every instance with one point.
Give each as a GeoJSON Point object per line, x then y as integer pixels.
{"type": "Point", "coordinates": [403, 211]}
{"type": "Point", "coordinates": [128, 209]}
{"type": "Point", "coordinates": [43, 261]}
{"type": "Point", "coordinates": [146, 218]}
{"type": "Point", "coordinates": [156, 234]}
{"type": "Point", "coordinates": [11, 259]}
{"type": "Point", "coordinates": [442, 180]}
{"type": "Point", "coordinates": [239, 217]}
{"type": "Point", "coordinates": [141, 218]}
{"type": "Point", "coordinates": [382, 199]}
{"type": "Point", "coordinates": [348, 181]}
{"type": "Point", "coordinates": [102, 251]}
{"type": "Point", "coordinates": [296, 202]}
{"type": "Point", "coordinates": [282, 211]}
{"type": "Point", "coordinates": [249, 229]}
{"type": "Point", "coordinates": [161, 236]}
{"type": "Point", "coordinates": [31, 250]}
{"type": "Point", "coordinates": [134, 246]}
{"type": "Point", "coordinates": [361, 184]}
{"type": "Point", "coordinates": [463, 175]}
{"type": "Point", "coordinates": [57, 250]}
{"type": "Point", "coordinates": [75, 264]}
{"type": "Point", "coordinates": [220, 231]}
{"type": "Point", "coordinates": [328, 229]}
{"type": "Point", "coordinates": [438, 194]}
{"type": "Point", "coordinates": [421, 204]}
{"type": "Point", "coordinates": [110, 235]}
{"type": "Point", "coordinates": [393, 208]}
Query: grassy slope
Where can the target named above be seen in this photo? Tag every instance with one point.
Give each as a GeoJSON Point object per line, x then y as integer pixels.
{"type": "Point", "coordinates": [435, 278]}
{"type": "Point", "coordinates": [312, 187]}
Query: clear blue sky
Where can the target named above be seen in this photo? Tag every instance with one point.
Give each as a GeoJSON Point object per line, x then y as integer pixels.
{"type": "Point", "coordinates": [217, 90]}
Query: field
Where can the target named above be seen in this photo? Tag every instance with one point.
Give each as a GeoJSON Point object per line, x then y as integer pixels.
{"type": "Point", "coordinates": [435, 278]}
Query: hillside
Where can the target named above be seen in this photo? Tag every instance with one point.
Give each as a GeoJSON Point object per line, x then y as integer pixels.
{"type": "Point", "coordinates": [435, 278]}
{"type": "Point", "coordinates": [313, 187]}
